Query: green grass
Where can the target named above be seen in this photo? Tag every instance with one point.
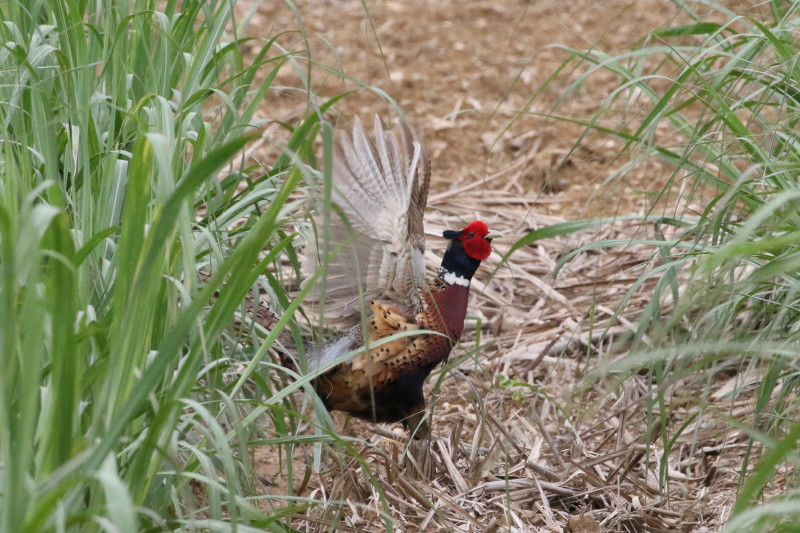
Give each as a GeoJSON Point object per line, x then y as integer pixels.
{"type": "Point", "coordinates": [120, 402]}
{"type": "Point", "coordinates": [719, 103]}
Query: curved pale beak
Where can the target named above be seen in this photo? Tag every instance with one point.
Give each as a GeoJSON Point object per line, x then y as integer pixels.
{"type": "Point", "coordinates": [493, 235]}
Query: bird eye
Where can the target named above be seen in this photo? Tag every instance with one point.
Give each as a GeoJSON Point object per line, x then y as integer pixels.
{"type": "Point", "coordinates": [471, 234]}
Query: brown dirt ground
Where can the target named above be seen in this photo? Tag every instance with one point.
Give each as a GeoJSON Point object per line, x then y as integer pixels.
{"type": "Point", "coordinates": [472, 77]}
{"type": "Point", "coordinates": [521, 446]}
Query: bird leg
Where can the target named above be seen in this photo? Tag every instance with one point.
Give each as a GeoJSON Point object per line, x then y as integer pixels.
{"type": "Point", "coordinates": [417, 423]}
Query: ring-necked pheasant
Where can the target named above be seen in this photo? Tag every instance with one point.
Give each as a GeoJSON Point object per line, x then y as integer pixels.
{"type": "Point", "coordinates": [380, 185]}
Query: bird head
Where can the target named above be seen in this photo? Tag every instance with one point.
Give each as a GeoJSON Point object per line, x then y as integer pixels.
{"type": "Point", "coordinates": [468, 247]}
{"type": "Point", "coordinates": [476, 238]}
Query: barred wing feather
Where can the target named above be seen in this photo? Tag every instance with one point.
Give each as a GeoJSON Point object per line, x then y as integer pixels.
{"type": "Point", "coordinates": [380, 187]}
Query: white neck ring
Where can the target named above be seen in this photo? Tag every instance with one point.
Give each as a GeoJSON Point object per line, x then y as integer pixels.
{"type": "Point", "coordinates": [452, 279]}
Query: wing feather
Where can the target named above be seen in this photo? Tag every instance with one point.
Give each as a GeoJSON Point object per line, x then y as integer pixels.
{"type": "Point", "coordinates": [380, 185]}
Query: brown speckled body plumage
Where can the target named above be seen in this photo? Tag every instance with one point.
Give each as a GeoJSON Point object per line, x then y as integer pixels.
{"type": "Point", "coordinates": [384, 383]}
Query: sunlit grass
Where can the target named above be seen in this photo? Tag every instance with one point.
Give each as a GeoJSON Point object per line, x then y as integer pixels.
{"type": "Point", "coordinates": [122, 396]}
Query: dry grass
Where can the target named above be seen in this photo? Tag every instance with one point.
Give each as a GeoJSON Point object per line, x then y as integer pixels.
{"type": "Point", "coordinates": [522, 439]}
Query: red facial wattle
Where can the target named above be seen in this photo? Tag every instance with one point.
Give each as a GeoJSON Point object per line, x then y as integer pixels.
{"type": "Point", "coordinates": [477, 248]}
{"type": "Point", "coordinates": [475, 245]}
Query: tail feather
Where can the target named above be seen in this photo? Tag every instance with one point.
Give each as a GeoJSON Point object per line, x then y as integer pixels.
{"type": "Point", "coordinates": [316, 356]}
{"type": "Point", "coordinates": [266, 317]}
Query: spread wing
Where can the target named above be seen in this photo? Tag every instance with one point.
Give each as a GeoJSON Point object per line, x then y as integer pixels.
{"type": "Point", "coordinates": [380, 188]}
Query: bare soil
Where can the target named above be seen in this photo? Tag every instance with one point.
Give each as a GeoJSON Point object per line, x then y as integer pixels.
{"type": "Point", "coordinates": [523, 442]}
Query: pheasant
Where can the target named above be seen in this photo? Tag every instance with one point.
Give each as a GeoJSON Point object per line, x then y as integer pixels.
{"type": "Point", "coordinates": [375, 285]}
